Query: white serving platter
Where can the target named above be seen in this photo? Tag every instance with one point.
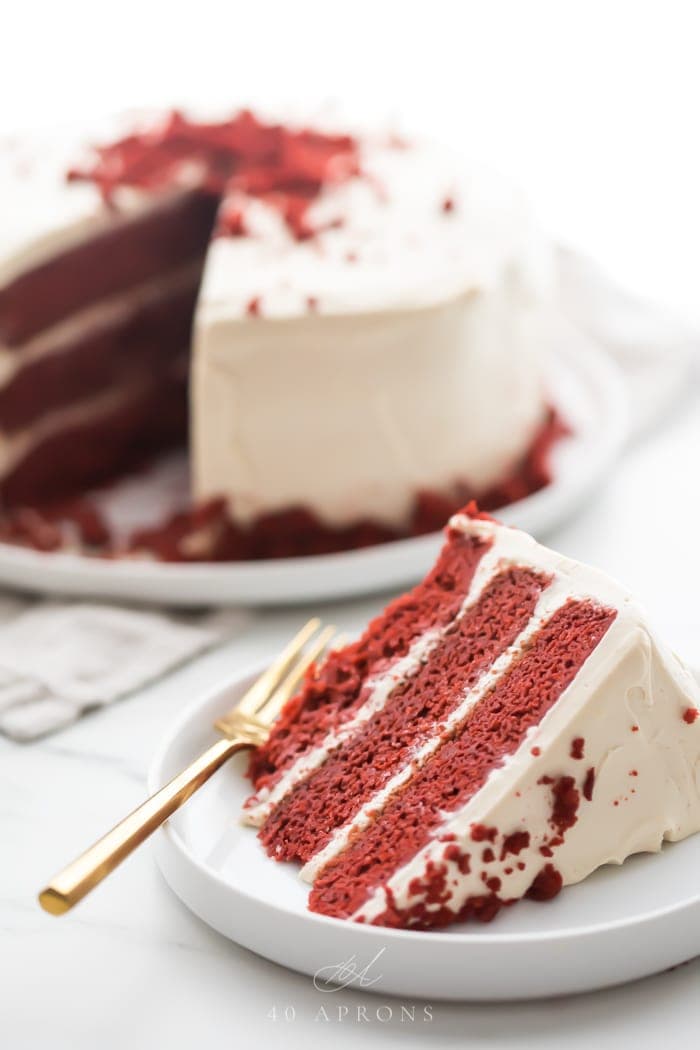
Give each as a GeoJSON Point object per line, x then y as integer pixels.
{"type": "Point", "coordinates": [585, 386]}
{"type": "Point", "coordinates": [620, 924]}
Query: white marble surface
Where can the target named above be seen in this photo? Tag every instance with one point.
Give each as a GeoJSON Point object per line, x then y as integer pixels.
{"type": "Point", "coordinates": [132, 968]}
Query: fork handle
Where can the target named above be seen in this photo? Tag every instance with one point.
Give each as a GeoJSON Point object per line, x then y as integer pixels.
{"type": "Point", "coordinates": [92, 866]}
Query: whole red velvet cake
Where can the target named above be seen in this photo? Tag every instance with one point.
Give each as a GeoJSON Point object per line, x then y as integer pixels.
{"type": "Point", "coordinates": [346, 330]}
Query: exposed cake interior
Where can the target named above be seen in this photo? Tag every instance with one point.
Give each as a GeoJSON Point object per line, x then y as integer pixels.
{"type": "Point", "coordinates": [460, 766]}
{"type": "Point", "coordinates": [344, 684]}
{"type": "Point", "coordinates": [494, 754]}
{"type": "Point", "coordinates": [412, 714]}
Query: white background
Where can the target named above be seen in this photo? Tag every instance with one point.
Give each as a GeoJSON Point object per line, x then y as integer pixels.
{"type": "Point", "coordinates": [593, 107]}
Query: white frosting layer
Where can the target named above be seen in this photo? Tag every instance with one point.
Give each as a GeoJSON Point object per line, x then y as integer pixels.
{"type": "Point", "coordinates": [351, 417]}
{"type": "Point", "coordinates": [647, 780]}
{"type": "Point", "coordinates": [419, 366]}
{"type": "Point", "coordinates": [352, 414]}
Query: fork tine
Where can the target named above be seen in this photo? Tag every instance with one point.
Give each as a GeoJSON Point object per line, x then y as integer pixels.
{"type": "Point", "coordinates": [268, 681]}
{"type": "Point", "coordinates": [269, 711]}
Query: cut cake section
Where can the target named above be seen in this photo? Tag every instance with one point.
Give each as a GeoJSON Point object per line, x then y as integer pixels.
{"type": "Point", "coordinates": [534, 732]}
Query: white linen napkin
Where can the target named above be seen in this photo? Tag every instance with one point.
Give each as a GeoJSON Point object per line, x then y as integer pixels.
{"type": "Point", "coordinates": [654, 350]}
{"type": "Point", "coordinates": [59, 659]}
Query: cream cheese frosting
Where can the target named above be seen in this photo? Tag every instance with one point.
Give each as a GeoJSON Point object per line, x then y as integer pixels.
{"type": "Point", "coordinates": [412, 229]}
{"type": "Point", "coordinates": [411, 330]}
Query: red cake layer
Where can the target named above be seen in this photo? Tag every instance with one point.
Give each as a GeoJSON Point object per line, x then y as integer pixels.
{"type": "Point", "coordinates": [146, 336]}
{"type": "Point", "coordinates": [152, 417]}
{"type": "Point", "coordinates": [334, 693]}
{"type": "Point", "coordinates": [304, 821]}
{"type": "Point", "coordinates": [494, 730]}
{"type": "Point", "coordinates": [122, 256]}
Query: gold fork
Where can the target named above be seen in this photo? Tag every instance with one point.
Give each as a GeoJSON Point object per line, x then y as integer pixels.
{"type": "Point", "coordinates": [248, 724]}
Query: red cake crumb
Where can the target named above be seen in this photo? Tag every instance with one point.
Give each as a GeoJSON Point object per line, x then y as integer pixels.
{"type": "Point", "coordinates": [462, 860]}
{"type": "Point", "coordinates": [577, 746]}
{"type": "Point", "coordinates": [448, 205]}
{"type": "Point", "coordinates": [488, 856]}
{"type": "Point", "coordinates": [482, 833]}
{"type": "Point", "coordinates": [231, 220]}
{"type": "Point", "coordinates": [433, 910]}
{"type": "Point", "coordinates": [514, 843]}
{"type": "Point", "coordinates": [253, 307]}
{"type": "Point", "coordinates": [286, 168]}
{"type": "Point", "coordinates": [566, 803]}
{"type": "Point", "coordinates": [536, 751]}
{"type": "Point", "coordinates": [182, 530]}
{"type": "Point", "coordinates": [690, 715]}
{"type": "Point", "coordinates": [564, 814]}
{"type": "Point", "coordinates": [589, 784]}
{"type": "Point", "coordinates": [546, 884]}
{"type": "Point", "coordinates": [634, 773]}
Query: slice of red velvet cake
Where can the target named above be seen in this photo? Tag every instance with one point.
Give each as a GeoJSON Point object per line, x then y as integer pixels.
{"type": "Point", "coordinates": [504, 729]}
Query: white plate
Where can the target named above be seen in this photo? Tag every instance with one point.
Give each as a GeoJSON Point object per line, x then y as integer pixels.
{"type": "Point", "coordinates": [586, 387]}
{"type": "Point", "coordinates": [620, 924]}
